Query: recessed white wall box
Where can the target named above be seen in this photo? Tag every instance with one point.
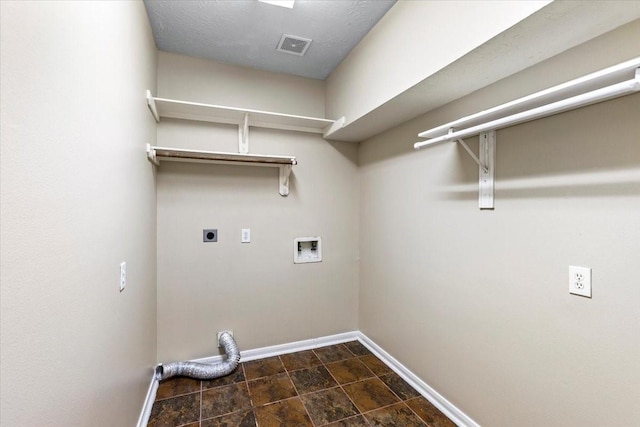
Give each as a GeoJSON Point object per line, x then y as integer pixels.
{"type": "Point", "coordinates": [307, 249]}
{"type": "Point", "coordinates": [580, 281]}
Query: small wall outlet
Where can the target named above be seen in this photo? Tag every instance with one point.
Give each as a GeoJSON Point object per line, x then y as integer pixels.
{"type": "Point", "coordinates": [246, 235]}
{"type": "Point", "coordinates": [220, 332]}
{"type": "Point", "coordinates": [210, 235]}
{"type": "Point", "coordinates": [123, 275]}
{"type": "Point", "coordinates": [580, 281]}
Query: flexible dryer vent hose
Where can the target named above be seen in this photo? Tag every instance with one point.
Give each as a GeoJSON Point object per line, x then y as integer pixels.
{"type": "Point", "coordinates": [204, 371]}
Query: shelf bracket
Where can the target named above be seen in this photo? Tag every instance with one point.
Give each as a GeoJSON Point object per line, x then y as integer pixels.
{"type": "Point", "coordinates": [336, 126]}
{"type": "Point", "coordinates": [151, 155]}
{"type": "Point", "coordinates": [285, 171]}
{"type": "Point", "coordinates": [488, 159]}
{"type": "Point", "coordinates": [151, 103]}
{"type": "Point", "coordinates": [472, 154]}
{"type": "Point", "coordinates": [485, 166]}
{"type": "Point", "coordinates": [243, 135]}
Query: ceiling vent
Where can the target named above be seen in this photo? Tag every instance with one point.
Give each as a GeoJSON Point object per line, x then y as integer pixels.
{"type": "Point", "coordinates": [293, 44]}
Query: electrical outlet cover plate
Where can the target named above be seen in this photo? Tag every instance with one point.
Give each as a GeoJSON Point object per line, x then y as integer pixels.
{"type": "Point", "coordinates": [580, 281]}
{"type": "Point", "coordinates": [246, 235]}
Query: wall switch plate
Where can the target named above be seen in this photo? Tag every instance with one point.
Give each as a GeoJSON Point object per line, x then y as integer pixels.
{"type": "Point", "coordinates": [246, 235]}
{"type": "Point", "coordinates": [210, 235]}
{"type": "Point", "coordinates": [580, 281]}
{"type": "Point", "coordinates": [123, 275]}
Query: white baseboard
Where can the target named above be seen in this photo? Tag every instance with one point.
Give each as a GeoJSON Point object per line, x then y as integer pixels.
{"type": "Point", "coordinates": [143, 420]}
{"type": "Point", "coordinates": [449, 409]}
{"type": "Point", "coordinates": [277, 350]}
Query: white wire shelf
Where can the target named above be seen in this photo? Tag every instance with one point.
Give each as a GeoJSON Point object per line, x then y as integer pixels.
{"type": "Point", "coordinates": [171, 108]}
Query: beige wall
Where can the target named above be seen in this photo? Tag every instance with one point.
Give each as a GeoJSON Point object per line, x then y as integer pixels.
{"type": "Point", "coordinates": [201, 80]}
{"type": "Point", "coordinates": [78, 198]}
{"type": "Point", "coordinates": [412, 42]}
{"type": "Point", "coordinates": [476, 302]}
{"type": "Point", "coordinates": [253, 289]}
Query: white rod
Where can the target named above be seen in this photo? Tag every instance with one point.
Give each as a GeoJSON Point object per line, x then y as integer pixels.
{"type": "Point", "coordinates": [578, 101]}
{"type": "Point", "coordinates": [235, 156]}
{"type": "Point", "coordinates": [328, 122]}
{"type": "Point", "coordinates": [557, 90]}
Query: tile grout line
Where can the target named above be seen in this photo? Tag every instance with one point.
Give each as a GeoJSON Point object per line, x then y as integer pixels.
{"type": "Point", "coordinates": [253, 406]}
{"type": "Point", "coordinates": [360, 413]}
{"type": "Point", "coordinates": [238, 383]}
{"type": "Point", "coordinates": [401, 400]}
{"type": "Point", "coordinates": [417, 415]}
{"type": "Point", "coordinates": [366, 420]}
{"type": "Point", "coordinates": [200, 415]}
{"type": "Point", "coordinates": [354, 354]}
{"type": "Point", "coordinates": [246, 384]}
{"type": "Point", "coordinates": [377, 376]}
{"type": "Point", "coordinates": [404, 401]}
{"type": "Point", "coordinates": [298, 395]}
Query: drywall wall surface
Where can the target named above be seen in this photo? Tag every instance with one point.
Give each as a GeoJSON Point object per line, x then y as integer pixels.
{"type": "Point", "coordinates": [549, 31]}
{"type": "Point", "coordinates": [414, 40]}
{"type": "Point", "coordinates": [78, 198]}
{"type": "Point", "coordinates": [476, 302]}
{"type": "Point", "coordinates": [211, 82]}
{"type": "Point", "coordinates": [253, 288]}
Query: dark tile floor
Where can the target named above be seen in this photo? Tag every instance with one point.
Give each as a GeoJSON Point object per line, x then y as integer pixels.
{"type": "Point", "coordinates": [342, 385]}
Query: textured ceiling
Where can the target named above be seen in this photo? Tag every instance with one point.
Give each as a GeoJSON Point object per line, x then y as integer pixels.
{"type": "Point", "coordinates": [247, 32]}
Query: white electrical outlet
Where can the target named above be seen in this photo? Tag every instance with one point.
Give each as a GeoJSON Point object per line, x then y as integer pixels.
{"type": "Point", "coordinates": [123, 275]}
{"type": "Point", "coordinates": [580, 281]}
{"type": "Point", "coordinates": [246, 235]}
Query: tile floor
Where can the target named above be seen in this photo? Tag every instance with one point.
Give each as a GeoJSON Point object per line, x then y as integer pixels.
{"type": "Point", "coordinates": [342, 385]}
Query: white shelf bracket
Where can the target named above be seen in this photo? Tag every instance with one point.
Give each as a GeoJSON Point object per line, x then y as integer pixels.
{"type": "Point", "coordinates": [243, 135]}
{"type": "Point", "coordinates": [151, 103]}
{"type": "Point", "coordinates": [151, 155]}
{"type": "Point", "coordinates": [285, 171]}
{"type": "Point", "coordinates": [471, 153]}
{"type": "Point", "coordinates": [336, 126]}
{"type": "Point", "coordinates": [487, 169]}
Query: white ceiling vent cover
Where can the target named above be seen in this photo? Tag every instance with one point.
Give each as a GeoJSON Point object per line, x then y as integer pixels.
{"type": "Point", "coordinates": [293, 44]}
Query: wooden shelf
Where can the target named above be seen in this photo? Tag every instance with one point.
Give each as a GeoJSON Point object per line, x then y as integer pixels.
{"type": "Point", "coordinates": [284, 163]}
{"type": "Point", "coordinates": [171, 108]}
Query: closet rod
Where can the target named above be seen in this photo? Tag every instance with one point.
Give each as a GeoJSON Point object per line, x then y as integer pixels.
{"type": "Point", "coordinates": [598, 95]}
{"type": "Point", "coordinates": [610, 75]}
{"type": "Point", "coordinates": [177, 154]}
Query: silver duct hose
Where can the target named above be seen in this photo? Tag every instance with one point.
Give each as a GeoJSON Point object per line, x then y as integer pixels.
{"type": "Point", "coordinates": [204, 371]}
